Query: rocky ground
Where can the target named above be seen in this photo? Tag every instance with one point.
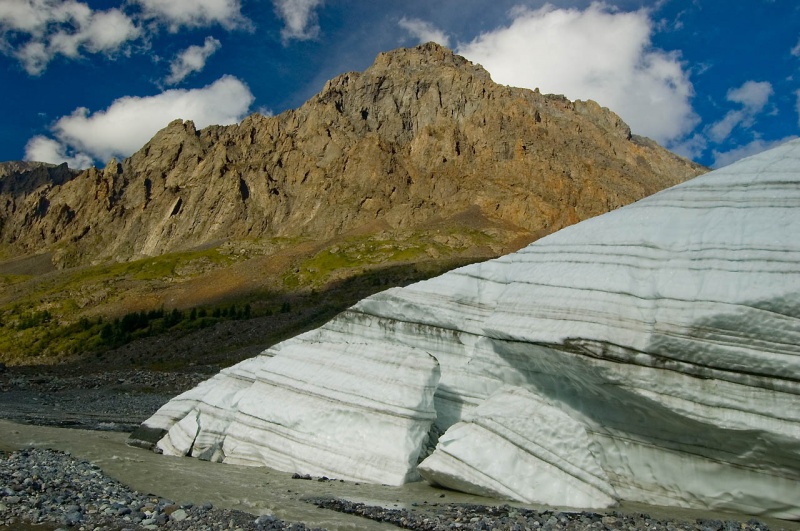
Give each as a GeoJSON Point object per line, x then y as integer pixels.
{"type": "Point", "coordinates": [53, 488]}
{"type": "Point", "coordinates": [482, 517]}
{"type": "Point", "coordinates": [117, 400]}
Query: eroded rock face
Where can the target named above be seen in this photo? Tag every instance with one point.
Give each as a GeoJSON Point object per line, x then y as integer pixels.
{"type": "Point", "coordinates": [421, 134]}
{"type": "Point", "coordinates": [651, 354]}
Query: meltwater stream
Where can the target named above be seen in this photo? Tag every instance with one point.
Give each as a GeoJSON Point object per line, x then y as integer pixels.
{"type": "Point", "coordinates": [255, 490]}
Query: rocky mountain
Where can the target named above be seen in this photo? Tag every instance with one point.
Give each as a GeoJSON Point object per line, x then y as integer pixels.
{"type": "Point", "coordinates": [22, 181]}
{"type": "Point", "coordinates": [25, 173]}
{"type": "Point", "coordinates": [651, 354]}
{"type": "Point", "coordinates": [421, 136]}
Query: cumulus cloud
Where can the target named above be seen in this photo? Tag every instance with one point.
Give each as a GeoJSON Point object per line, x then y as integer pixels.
{"type": "Point", "coordinates": [128, 123]}
{"type": "Point", "coordinates": [756, 146]}
{"type": "Point", "coordinates": [43, 149]}
{"type": "Point", "coordinates": [753, 96]}
{"type": "Point", "coordinates": [798, 106]}
{"type": "Point", "coordinates": [424, 31]}
{"type": "Point", "coordinates": [195, 13]}
{"type": "Point", "coordinates": [36, 31]}
{"type": "Point", "coordinates": [192, 59]}
{"type": "Point", "coordinates": [692, 147]}
{"type": "Point", "coordinates": [597, 53]}
{"type": "Point", "coordinates": [299, 18]}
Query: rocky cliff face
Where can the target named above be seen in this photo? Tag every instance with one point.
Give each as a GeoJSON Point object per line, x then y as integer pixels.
{"type": "Point", "coordinates": [27, 185]}
{"type": "Point", "coordinates": [421, 135]}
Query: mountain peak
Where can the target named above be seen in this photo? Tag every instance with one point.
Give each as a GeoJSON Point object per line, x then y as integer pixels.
{"type": "Point", "coordinates": [421, 135]}
{"type": "Point", "coordinates": [424, 56]}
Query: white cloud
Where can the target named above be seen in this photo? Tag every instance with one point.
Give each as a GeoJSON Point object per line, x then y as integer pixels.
{"type": "Point", "coordinates": [265, 111]}
{"type": "Point", "coordinates": [22, 16]}
{"type": "Point", "coordinates": [101, 31]}
{"type": "Point", "coordinates": [36, 31]}
{"type": "Point", "coordinates": [796, 49]}
{"type": "Point", "coordinates": [195, 13]}
{"type": "Point", "coordinates": [130, 122]}
{"type": "Point", "coordinates": [756, 146]}
{"type": "Point", "coordinates": [753, 97]}
{"type": "Point", "coordinates": [192, 59]}
{"type": "Point", "coordinates": [299, 18]}
{"type": "Point", "coordinates": [691, 148]}
{"type": "Point", "coordinates": [424, 31]}
{"type": "Point", "coordinates": [599, 54]}
{"type": "Point", "coordinates": [720, 130]}
{"type": "Point", "coordinates": [43, 149]}
{"type": "Point", "coordinates": [798, 106]}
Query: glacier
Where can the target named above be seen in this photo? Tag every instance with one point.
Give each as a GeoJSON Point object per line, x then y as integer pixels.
{"type": "Point", "coordinates": [651, 354]}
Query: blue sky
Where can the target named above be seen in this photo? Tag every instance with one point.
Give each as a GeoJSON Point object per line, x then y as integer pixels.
{"type": "Point", "coordinates": [85, 80]}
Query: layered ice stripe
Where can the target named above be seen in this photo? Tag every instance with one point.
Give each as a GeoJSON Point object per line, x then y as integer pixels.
{"type": "Point", "coordinates": [361, 413]}
{"type": "Point", "coordinates": [345, 407]}
{"type": "Point", "coordinates": [548, 451]}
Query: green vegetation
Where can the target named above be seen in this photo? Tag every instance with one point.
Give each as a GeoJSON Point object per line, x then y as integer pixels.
{"type": "Point", "coordinates": [141, 324]}
{"type": "Point", "coordinates": [85, 312]}
{"type": "Point", "coordinates": [359, 254]}
{"type": "Point", "coordinates": [49, 320]}
{"type": "Point", "coordinates": [37, 334]}
{"type": "Point", "coordinates": [185, 264]}
{"type": "Point", "coordinates": [9, 280]}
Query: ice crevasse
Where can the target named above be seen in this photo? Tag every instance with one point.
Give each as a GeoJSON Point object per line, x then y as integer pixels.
{"type": "Point", "coordinates": [651, 354]}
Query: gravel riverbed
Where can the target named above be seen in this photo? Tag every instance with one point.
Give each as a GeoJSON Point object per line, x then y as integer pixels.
{"type": "Point", "coordinates": [443, 517]}
{"type": "Point", "coordinates": [53, 488]}
{"type": "Point", "coordinates": [58, 491]}
{"type": "Point", "coordinates": [116, 400]}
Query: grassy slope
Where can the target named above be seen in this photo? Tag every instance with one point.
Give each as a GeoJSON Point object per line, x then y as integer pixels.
{"type": "Point", "coordinates": [216, 305]}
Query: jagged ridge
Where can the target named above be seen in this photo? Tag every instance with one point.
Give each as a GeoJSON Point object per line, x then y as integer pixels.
{"type": "Point", "coordinates": [422, 134]}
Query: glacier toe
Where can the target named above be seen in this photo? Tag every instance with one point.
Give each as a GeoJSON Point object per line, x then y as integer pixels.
{"type": "Point", "coordinates": [324, 403]}
{"type": "Point", "coordinates": [651, 354]}
{"type": "Point", "coordinates": [529, 451]}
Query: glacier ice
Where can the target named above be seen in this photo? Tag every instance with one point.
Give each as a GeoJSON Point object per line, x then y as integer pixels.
{"type": "Point", "coordinates": [530, 450]}
{"type": "Point", "coordinates": [324, 403]}
{"type": "Point", "coordinates": [651, 354]}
